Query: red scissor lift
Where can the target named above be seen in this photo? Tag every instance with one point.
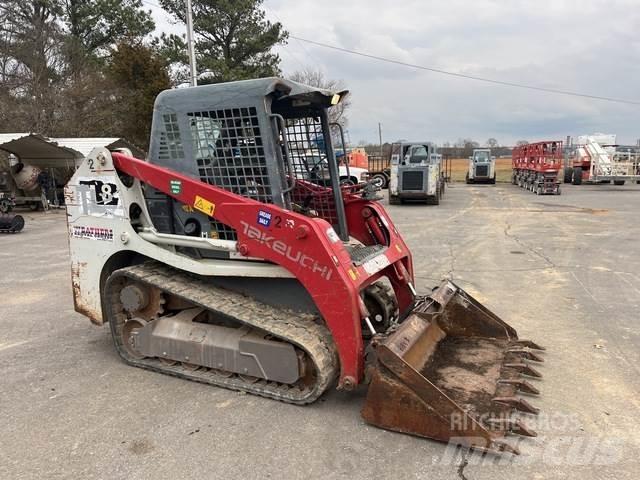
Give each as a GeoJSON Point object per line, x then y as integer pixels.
{"type": "Point", "coordinates": [536, 166]}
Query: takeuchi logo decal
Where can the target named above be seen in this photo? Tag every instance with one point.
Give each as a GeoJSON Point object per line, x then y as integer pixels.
{"type": "Point", "coordinates": [286, 251]}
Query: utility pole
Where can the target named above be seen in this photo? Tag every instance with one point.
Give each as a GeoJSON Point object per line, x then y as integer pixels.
{"type": "Point", "coordinates": [380, 136]}
{"type": "Point", "coordinates": [190, 46]}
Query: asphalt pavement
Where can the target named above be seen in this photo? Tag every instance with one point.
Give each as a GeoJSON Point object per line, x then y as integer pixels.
{"type": "Point", "coordinates": [563, 270]}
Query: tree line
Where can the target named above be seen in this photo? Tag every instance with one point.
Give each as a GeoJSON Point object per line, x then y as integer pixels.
{"type": "Point", "coordinates": [93, 67]}
{"type": "Point", "coordinates": [462, 148]}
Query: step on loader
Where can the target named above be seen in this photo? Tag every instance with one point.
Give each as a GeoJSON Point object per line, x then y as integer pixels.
{"type": "Point", "coordinates": [215, 261]}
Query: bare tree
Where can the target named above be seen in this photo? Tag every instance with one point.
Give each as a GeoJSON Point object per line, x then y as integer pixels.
{"type": "Point", "coordinates": [316, 78]}
{"type": "Point", "coordinates": [52, 63]}
{"type": "Point", "coordinates": [464, 147]}
{"type": "Point", "coordinates": [492, 143]}
{"type": "Point", "coordinates": [31, 46]}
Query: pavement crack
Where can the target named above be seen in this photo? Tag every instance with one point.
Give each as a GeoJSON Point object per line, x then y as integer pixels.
{"type": "Point", "coordinates": [587, 291]}
{"type": "Point", "coordinates": [516, 239]}
{"type": "Point", "coordinates": [452, 263]}
{"type": "Point", "coordinates": [463, 465]}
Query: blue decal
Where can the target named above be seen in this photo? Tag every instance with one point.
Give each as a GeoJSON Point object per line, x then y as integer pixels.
{"type": "Point", "coordinates": [264, 218]}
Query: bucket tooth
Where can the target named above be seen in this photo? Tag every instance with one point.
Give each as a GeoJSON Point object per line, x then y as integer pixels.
{"type": "Point", "coordinates": [519, 428]}
{"type": "Point", "coordinates": [524, 369]}
{"type": "Point", "coordinates": [521, 385]}
{"type": "Point", "coordinates": [526, 353]}
{"type": "Point", "coordinates": [528, 344]}
{"type": "Point", "coordinates": [511, 426]}
{"type": "Point", "coordinates": [504, 447]}
{"type": "Point", "coordinates": [496, 447]}
{"type": "Point", "coordinates": [519, 404]}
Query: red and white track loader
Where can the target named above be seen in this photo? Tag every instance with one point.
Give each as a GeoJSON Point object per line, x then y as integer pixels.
{"type": "Point", "coordinates": [214, 260]}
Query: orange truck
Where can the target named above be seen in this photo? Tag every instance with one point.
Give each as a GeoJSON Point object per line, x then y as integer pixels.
{"type": "Point", "coordinates": [357, 157]}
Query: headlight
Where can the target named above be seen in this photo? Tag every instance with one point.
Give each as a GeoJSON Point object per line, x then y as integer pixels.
{"type": "Point", "coordinates": [364, 176]}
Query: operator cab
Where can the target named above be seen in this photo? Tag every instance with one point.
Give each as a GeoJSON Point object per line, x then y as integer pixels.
{"type": "Point", "coordinates": [267, 139]}
{"type": "Point", "coordinates": [482, 156]}
{"type": "Point", "coordinates": [416, 154]}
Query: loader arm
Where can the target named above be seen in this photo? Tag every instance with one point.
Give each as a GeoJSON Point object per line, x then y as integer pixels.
{"type": "Point", "coordinates": [307, 247]}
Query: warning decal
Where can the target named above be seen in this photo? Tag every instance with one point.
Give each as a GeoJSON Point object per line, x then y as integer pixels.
{"type": "Point", "coordinates": [203, 205]}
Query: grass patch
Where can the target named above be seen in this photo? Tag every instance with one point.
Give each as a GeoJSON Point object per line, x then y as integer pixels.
{"type": "Point", "coordinates": [460, 166]}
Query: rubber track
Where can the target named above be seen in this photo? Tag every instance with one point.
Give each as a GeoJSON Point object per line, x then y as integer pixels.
{"type": "Point", "coordinates": [299, 329]}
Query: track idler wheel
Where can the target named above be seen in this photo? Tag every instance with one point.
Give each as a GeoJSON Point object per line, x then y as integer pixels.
{"type": "Point", "coordinates": [129, 332]}
{"type": "Point", "coordinates": [382, 306]}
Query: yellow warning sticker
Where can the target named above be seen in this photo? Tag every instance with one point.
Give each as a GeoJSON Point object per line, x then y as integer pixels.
{"type": "Point", "coordinates": [354, 274]}
{"type": "Point", "coordinates": [204, 205]}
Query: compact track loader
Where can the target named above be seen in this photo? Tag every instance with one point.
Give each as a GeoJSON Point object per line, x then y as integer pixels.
{"type": "Point", "coordinates": [415, 173]}
{"type": "Point", "coordinates": [214, 261]}
{"type": "Point", "coordinates": [482, 167]}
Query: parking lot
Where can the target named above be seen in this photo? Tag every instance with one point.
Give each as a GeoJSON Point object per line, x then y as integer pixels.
{"type": "Point", "coordinates": [563, 270]}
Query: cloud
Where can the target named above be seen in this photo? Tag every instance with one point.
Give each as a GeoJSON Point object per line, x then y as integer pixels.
{"type": "Point", "coordinates": [585, 46]}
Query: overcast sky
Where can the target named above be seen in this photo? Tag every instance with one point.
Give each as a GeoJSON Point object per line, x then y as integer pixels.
{"type": "Point", "coordinates": [588, 46]}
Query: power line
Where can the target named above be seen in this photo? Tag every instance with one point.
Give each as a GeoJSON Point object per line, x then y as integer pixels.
{"type": "Point", "coordinates": [302, 65]}
{"type": "Point", "coordinates": [304, 49]}
{"type": "Point", "coordinates": [468, 77]}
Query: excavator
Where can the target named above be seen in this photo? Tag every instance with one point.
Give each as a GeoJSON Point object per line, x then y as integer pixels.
{"type": "Point", "coordinates": [212, 261]}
